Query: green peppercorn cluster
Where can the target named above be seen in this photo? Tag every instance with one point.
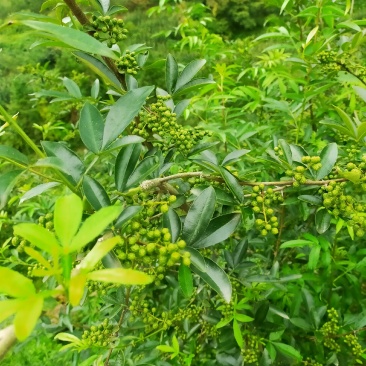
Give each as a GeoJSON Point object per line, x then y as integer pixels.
{"type": "Point", "coordinates": [127, 64]}
{"type": "Point", "coordinates": [19, 243]}
{"type": "Point", "coordinates": [310, 163]}
{"type": "Point", "coordinates": [108, 29]}
{"type": "Point", "coordinates": [330, 330]}
{"type": "Point", "coordinates": [46, 221]}
{"type": "Point", "coordinates": [100, 335]}
{"type": "Point", "coordinates": [262, 199]}
{"type": "Point", "coordinates": [35, 270]}
{"type": "Point", "coordinates": [251, 349]}
{"type": "Point", "coordinates": [226, 310]}
{"type": "Point", "coordinates": [351, 340]}
{"type": "Point", "coordinates": [160, 120]}
{"type": "Point", "coordinates": [341, 204]}
{"type": "Point", "coordinates": [310, 362]}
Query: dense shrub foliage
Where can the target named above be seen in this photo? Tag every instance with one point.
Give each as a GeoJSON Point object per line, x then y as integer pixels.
{"type": "Point", "coordinates": [215, 218]}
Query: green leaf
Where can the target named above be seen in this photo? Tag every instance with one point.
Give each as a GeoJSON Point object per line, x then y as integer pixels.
{"type": "Point", "coordinates": [224, 322]}
{"type": "Point", "coordinates": [199, 216]}
{"type": "Point", "coordinates": [301, 323]}
{"type": "Point", "coordinates": [338, 127]}
{"type": "Point", "coordinates": [189, 73]}
{"type": "Point", "coordinates": [234, 156]}
{"type": "Point", "coordinates": [94, 226]}
{"type": "Point", "coordinates": [166, 349]}
{"type": "Point", "coordinates": [67, 337]}
{"type": "Point", "coordinates": [124, 141]}
{"type": "Point", "coordinates": [91, 128]}
{"type": "Point", "coordinates": [99, 68]}
{"type": "Point", "coordinates": [287, 153]}
{"type": "Point", "coordinates": [15, 284]}
{"type": "Point", "coordinates": [67, 217]}
{"type": "Point", "coordinates": [12, 155]}
{"type": "Point", "coordinates": [232, 184]}
{"type": "Point", "coordinates": [185, 280]}
{"type": "Point", "coordinates": [123, 112]}
{"type": "Point", "coordinates": [8, 308]}
{"type": "Point", "coordinates": [147, 166]}
{"type": "Point", "coordinates": [172, 221]}
{"type": "Point", "coordinates": [37, 256]}
{"type": "Point", "coordinates": [237, 334]}
{"type": "Point", "coordinates": [72, 87]}
{"type": "Point", "coordinates": [299, 243]}
{"type": "Point", "coordinates": [122, 276]}
{"type": "Point", "coordinates": [288, 351]}
{"type": "Point", "coordinates": [193, 86]}
{"type": "Point", "coordinates": [360, 91]}
{"type": "Point", "coordinates": [322, 221]}
{"type": "Point", "coordinates": [95, 193]}
{"type": "Point", "coordinates": [197, 259]}
{"type": "Point", "coordinates": [313, 200]}
{"type": "Point", "coordinates": [36, 191]}
{"type": "Point", "coordinates": [76, 288]}
{"type": "Point", "coordinates": [127, 214]}
{"type": "Point", "coordinates": [27, 316]}
{"type": "Point", "coordinates": [94, 91]}
{"type": "Point", "coordinates": [361, 131]}
{"type": "Point", "coordinates": [350, 125]}
{"type": "Point", "coordinates": [68, 161]}
{"type": "Point", "coordinates": [98, 252]}
{"type": "Point", "coordinates": [328, 158]}
{"type": "Point", "coordinates": [171, 73]}
{"type": "Point", "coordinates": [314, 257]}
{"type": "Point", "coordinates": [181, 106]}
{"type": "Point", "coordinates": [243, 318]}
{"type": "Point", "coordinates": [216, 278]}
{"type": "Point", "coordinates": [7, 182]}
{"type": "Point", "coordinates": [39, 237]}
{"type": "Point", "coordinates": [72, 37]}
{"type": "Point", "coordinates": [218, 230]}
{"type": "Point", "coordinates": [104, 5]}
{"type": "Point", "coordinates": [125, 165]}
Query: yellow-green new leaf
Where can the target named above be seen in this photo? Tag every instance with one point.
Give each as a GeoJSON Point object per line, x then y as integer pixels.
{"type": "Point", "coordinates": [38, 236]}
{"type": "Point", "coordinates": [122, 276]}
{"type": "Point", "coordinates": [93, 226]}
{"type": "Point", "coordinates": [98, 252]}
{"type": "Point", "coordinates": [38, 257]}
{"type": "Point", "coordinates": [76, 288]}
{"type": "Point", "coordinates": [27, 315]}
{"type": "Point", "coordinates": [14, 284]}
{"type": "Point", "coordinates": [8, 308]}
{"type": "Point", "coordinates": [67, 217]}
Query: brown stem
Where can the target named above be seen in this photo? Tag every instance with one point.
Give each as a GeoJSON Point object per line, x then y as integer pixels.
{"type": "Point", "coordinates": [124, 311]}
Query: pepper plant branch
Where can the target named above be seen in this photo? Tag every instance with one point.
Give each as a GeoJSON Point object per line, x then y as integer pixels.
{"type": "Point", "coordinates": [83, 20]}
{"type": "Point", "coordinates": [152, 183]}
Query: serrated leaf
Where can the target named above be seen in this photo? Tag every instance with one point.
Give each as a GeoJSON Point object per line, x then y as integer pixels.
{"type": "Point", "coordinates": [67, 217]}
{"type": "Point", "coordinates": [122, 276]}
{"type": "Point", "coordinates": [27, 316]}
{"type": "Point", "coordinates": [185, 280]}
{"type": "Point", "coordinates": [12, 155]}
{"type": "Point", "coordinates": [199, 216]}
{"type": "Point", "coordinates": [328, 158]}
{"type": "Point", "coordinates": [216, 278]}
{"type": "Point", "coordinates": [95, 193]}
{"type": "Point", "coordinates": [232, 184]}
{"type": "Point", "coordinates": [123, 112]}
{"type": "Point", "coordinates": [91, 128]}
{"type": "Point", "coordinates": [72, 37]}
{"type": "Point", "coordinates": [39, 237]}
{"type": "Point", "coordinates": [218, 230]}
{"type": "Point", "coordinates": [15, 284]}
{"type": "Point", "coordinates": [172, 221]}
{"type": "Point", "coordinates": [36, 191]}
{"type": "Point", "coordinates": [94, 226]}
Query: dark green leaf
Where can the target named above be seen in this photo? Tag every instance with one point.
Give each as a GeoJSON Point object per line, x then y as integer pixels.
{"type": "Point", "coordinates": [7, 182]}
{"type": "Point", "coordinates": [185, 280]}
{"type": "Point", "coordinates": [240, 251]}
{"type": "Point", "coordinates": [301, 323]}
{"type": "Point", "coordinates": [171, 73]}
{"type": "Point", "coordinates": [328, 158]}
{"type": "Point", "coordinates": [123, 112]}
{"type": "Point", "coordinates": [189, 73]}
{"type": "Point", "coordinates": [197, 259]}
{"type": "Point", "coordinates": [95, 193]}
{"type": "Point", "coordinates": [12, 155]}
{"type": "Point", "coordinates": [147, 166]}
{"type": "Point", "coordinates": [234, 156]}
{"type": "Point", "coordinates": [261, 313]}
{"type": "Point", "coordinates": [322, 221]}
{"type": "Point", "coordinates": [287, 350]}
{"type": "Point", "coordinates": [232, 184]}
{"type": "Point", "coordinates": [72, 37]}
{"type": "Point", "coordinates": [287, 153]}
{"type": "Point", "coordinates": [298, 243]}
{"type": "Point", "coordinates": [125, 165]}
{"type": "Point", "coordinates": [127, 214]}
{"type": "Point", "coordinates": [216, 278]}
{"type": "Point", "coordinates": [314, 257]}
{"type": "Point", "coordinates": [172, 221]}
{"type": "Point", "coordinates": [91, 128]}
{"type": "Point", "coordinates": [313, 200]}
{"type": "Point", "coordinates": [199, 216]}
{"type": "Point", "coordinates": [218, 230]}
{"type": "Point", "coordinates": [36, 191]}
